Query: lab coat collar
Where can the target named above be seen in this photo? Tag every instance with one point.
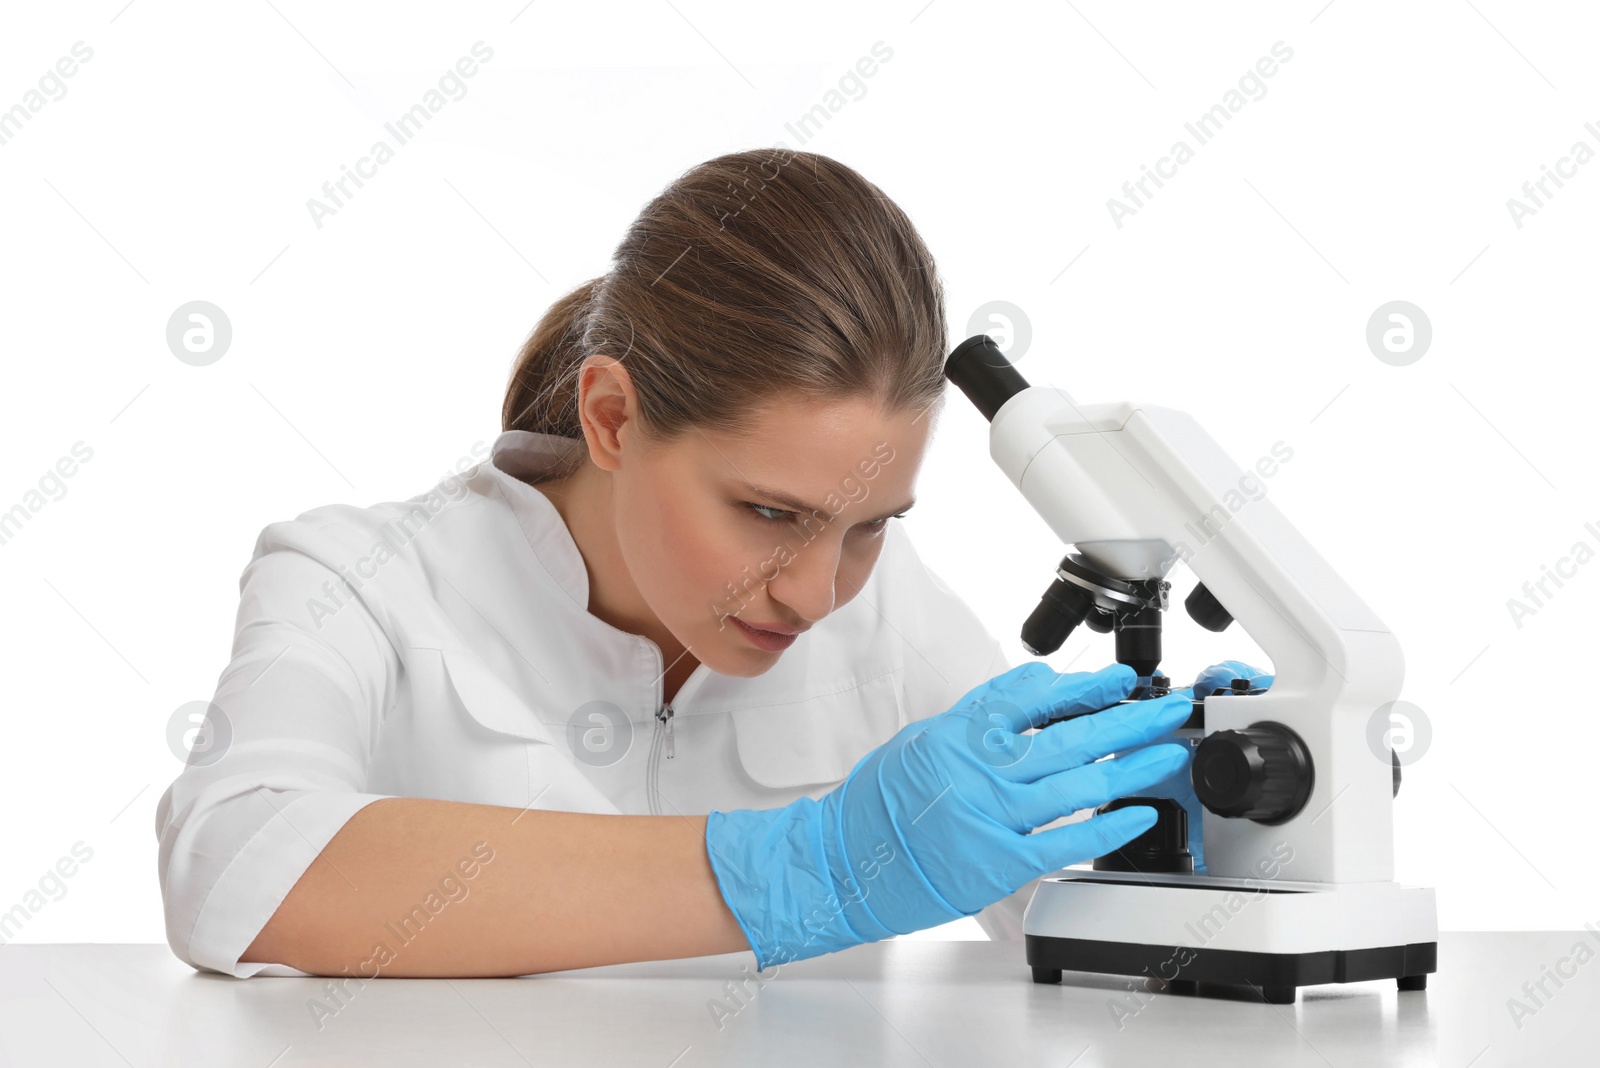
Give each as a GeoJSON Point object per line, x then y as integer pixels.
{"type": "Point", "coordinates": [519, 457]}
{"type": "Point", "coordinates": [831, 697]}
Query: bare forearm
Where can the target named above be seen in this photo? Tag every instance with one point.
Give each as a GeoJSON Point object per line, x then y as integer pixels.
{"type": "Point", "coordinates": [389, 895]}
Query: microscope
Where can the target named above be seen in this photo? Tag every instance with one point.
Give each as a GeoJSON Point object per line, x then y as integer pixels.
{"type": "Point", "coordinates": [1296, 810]}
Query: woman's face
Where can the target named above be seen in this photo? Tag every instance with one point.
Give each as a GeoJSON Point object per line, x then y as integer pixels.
{"type": "Point", "coordinates": [776, 527]}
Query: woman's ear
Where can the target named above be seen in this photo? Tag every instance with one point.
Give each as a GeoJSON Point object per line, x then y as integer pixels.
{"type": "Point", "coordinates": [607, 407]}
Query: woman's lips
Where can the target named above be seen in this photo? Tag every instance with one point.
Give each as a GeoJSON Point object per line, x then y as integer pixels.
{"type": "Point", "coordinates": [764, 639]}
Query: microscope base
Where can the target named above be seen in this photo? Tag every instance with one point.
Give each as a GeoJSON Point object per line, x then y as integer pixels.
{"type": "Point", "coordinates": [1193, 929]}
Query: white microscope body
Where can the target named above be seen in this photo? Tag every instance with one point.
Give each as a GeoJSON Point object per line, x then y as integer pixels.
{"type": "Point", "coordinates": [1307, 897]}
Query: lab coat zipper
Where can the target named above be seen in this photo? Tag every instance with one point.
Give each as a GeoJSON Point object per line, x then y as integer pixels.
{"type": "Point", "coordinates": [662, 732]}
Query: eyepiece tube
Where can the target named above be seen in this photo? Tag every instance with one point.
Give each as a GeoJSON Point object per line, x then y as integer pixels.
{"type": "Point", "coordinates": [981, 371]}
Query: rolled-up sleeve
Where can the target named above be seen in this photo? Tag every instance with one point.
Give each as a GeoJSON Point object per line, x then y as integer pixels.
{"type": "Point", "coordinates": [295, 717]}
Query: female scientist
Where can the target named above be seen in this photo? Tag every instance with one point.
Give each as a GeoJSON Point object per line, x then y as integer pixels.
{"type": "Point", "coordinates": [662, 676]}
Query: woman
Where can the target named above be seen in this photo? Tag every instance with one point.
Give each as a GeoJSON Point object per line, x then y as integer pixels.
{"type": "Point", "coordinates": [676, 587]}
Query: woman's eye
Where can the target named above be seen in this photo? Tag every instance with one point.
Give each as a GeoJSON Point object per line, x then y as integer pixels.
{"type": "Point", "coordinates": [760, 509]}
{"type": "Point", "coordinates": [782, 516]}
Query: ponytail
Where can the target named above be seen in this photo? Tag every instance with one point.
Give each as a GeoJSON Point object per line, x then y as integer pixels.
{"type": "Point", "coordinates": [542, 395]}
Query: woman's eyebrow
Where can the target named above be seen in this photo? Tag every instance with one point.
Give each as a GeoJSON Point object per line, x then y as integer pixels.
{"type": "Point", "coordinates": [793, 505]}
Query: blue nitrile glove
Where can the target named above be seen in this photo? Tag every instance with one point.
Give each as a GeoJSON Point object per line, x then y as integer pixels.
{"type": "Point", "coordinates": [1180, 787]}
{"type": "Point", "coordinates": [1222, 675]}
{"type": "Point", "coordinates": [936, 823]}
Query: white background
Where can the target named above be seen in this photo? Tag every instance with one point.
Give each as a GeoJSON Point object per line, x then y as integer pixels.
{"type": "Point", "coordinates": [370, 354]}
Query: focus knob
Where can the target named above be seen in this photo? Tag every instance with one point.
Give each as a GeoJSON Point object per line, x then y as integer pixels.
{"type": "Point", "coordinates": [1261, 773]}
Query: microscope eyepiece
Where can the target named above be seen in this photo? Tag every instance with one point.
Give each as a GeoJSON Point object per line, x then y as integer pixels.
{"type": "Point", "coordinates": [981, 371]}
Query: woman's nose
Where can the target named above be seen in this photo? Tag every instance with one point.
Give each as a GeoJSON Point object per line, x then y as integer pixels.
{"type": "Point", "coordinates": [806, 583]}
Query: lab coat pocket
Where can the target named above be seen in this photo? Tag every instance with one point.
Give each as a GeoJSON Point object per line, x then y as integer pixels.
{"type": "Point", "coordinates": [820, 738]}
{"type": "Point", "coordinates": [539, 771]}
{"type": "Point", "coordinates": [490, 701]}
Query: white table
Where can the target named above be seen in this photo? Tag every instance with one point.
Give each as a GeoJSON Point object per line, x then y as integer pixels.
{"type": "Point", "coordinates": [902, 1002]}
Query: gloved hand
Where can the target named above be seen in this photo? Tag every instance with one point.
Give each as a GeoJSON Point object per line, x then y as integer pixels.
{"type": "Point", "coordinates": [936, 823]}
{"type": "Point", "coordinates": [1222, 676]}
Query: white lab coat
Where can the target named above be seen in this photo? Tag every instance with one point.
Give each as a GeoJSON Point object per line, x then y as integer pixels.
{"type": "Point", "coordinates": [456, 667]}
